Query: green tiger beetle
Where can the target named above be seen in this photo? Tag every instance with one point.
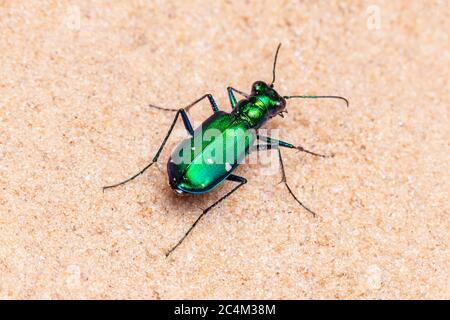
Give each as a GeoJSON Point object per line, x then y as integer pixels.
{"type": "Point", "coordinates": [248, 114]}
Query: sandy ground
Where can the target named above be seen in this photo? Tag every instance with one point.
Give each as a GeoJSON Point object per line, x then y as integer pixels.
{"type": "Point", "coordinates": [76, 78]}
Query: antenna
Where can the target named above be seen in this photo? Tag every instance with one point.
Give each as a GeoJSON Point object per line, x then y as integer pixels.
{"type": "Point", "coordinates": [318, 97]}
{"type": "Point", "coordinates": [275, 64]}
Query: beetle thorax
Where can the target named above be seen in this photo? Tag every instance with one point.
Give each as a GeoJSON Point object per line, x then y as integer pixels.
{"type": "Point", "coordinates": [255, 111]}
{"type": "Point", "coordinates": [263, 103]}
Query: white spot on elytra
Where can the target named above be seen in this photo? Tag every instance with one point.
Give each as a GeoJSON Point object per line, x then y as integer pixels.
{"type": "Point", "coordinates": [227, 166]}
{"type": "Point", "coordinates": [210, 161]}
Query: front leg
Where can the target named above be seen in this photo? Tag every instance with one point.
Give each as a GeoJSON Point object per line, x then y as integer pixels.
{"type": "Point", "coordinates": [212, 102]}
{"type": "Point", "coordinates": [281, 143]}
{"type": "Point", "coordinates": [232, 98]}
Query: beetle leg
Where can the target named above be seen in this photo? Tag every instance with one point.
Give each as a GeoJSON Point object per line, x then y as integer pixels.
{"type": "Point", "coordinates": [290, 146]}
{"type": "Point", "coordinates": [231, 177]}
{"type": "Point", "coordinates": [188, 127]}
{"type": "Point", "coordinates": [232, 98]}
{"type": "Point", "coordinates": [261, 147]}
{"type": "Point", "coordinates": [283, 180]}
{"type": "Point", "coordinates": [212, 102]}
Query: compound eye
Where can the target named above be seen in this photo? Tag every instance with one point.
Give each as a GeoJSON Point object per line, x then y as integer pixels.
{"type": "Point", "coordinates": [258, 86]}
{"type": "Point", "coordinates": [280, 105]}
{"type": "Point", "coordinates": [273, 95]}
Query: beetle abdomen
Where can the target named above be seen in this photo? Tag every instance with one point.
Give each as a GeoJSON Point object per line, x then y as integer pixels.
{"type": "Point", "coordinates": [202, 162]}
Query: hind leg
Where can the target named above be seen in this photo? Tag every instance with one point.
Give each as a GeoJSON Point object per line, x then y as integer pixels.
{"type": "Point", "coordinates": [231, 177]}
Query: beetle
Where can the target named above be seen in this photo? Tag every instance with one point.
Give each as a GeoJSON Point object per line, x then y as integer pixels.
{"type": "Point", "coordinates": [191, 168]}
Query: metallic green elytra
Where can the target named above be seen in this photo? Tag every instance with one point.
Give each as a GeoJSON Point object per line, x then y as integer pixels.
{"type": "Point", "coordinates": [202, 172]}
{"type": "Point", "coordinates": [216, 148]}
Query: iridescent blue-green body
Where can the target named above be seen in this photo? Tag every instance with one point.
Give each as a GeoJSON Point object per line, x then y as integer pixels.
{"type": "Point", "coordinates": [201, 170]}
{"type": "Point", "coordinates": [215, 149]}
